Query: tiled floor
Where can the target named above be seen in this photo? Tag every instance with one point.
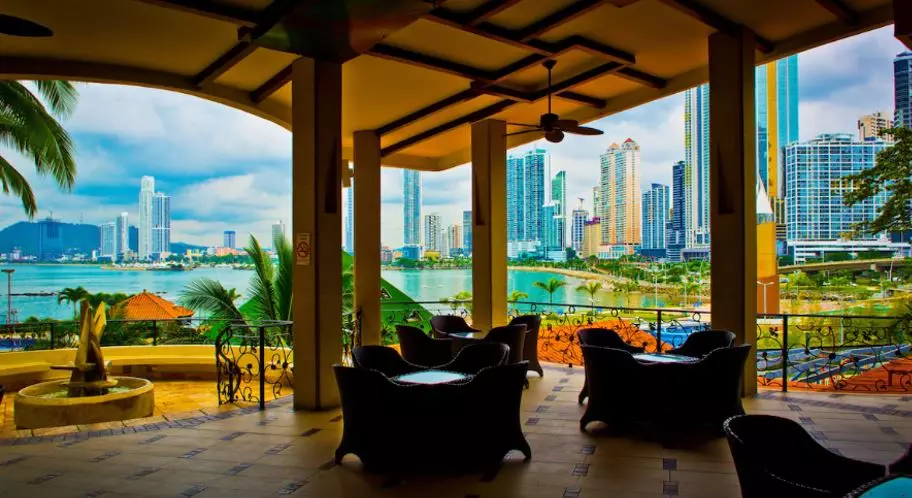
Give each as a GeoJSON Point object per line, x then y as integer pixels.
{"type": "Point", "coordinates": [280, 452]}
{"type": "Point", "coordinates": [173, 399]}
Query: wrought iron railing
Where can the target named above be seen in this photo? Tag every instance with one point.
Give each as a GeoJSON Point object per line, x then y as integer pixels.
{"type": "Point", "coordinates": [251, 356]}
{"type": "Point", "coordinates": [834, 352]}
{"type": "Point", "coordinates": [34, 336]}
{"type": "Point", "coordinates": [817, 352]}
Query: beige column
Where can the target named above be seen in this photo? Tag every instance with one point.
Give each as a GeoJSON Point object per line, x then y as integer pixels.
{"type": "Point", "coordinates": [489, 224]}
{"type": "Point", "coordinates": [367, 233]}
{"type": "Point", "coordinates": [317, 230]}
{"type": "Point", "coordinates": [733, 205]}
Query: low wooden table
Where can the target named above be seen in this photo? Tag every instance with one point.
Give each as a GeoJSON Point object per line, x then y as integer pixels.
{"type": "Point", "coordinates": [894, 486]}
{"type": "Point", "coordinates": [664, 358]}
{"type": "Point", "coordinates": [431, 377]}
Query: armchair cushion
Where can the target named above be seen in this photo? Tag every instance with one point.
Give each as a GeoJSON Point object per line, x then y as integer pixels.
{"type": "Point", "coordinates": [420, 349]}
{"type": "Point", "coordinates": [699, 344]}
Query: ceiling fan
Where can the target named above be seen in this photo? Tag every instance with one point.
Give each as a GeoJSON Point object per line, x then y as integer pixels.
{"type": "Point", "coordinates": [551, 124]}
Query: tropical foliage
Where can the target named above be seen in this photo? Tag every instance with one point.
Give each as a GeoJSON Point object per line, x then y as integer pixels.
{"type": "Point", "coordinates": [27, 127]}
{"type": "Point", "coordinates": [270, 287]}
{"type": "Point", "coordinates": [591, 288]}
{"type": "Point", "coordinates": [551, 286]}
{"type": "Point", "coordinates": [892, 173]}
{"type": "Point", "coordinates": [74, 296]}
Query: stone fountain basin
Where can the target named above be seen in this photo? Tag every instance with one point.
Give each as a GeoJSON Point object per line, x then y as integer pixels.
{"type": "Point", "coordinates": [32, 409]}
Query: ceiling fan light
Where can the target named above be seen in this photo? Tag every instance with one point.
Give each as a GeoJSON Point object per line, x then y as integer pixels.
{"type": "Point", "coordinates": [554, 136]}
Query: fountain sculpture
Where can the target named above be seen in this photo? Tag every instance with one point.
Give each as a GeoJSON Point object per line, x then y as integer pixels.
{"type": "Point", "coordinates": [89, 396]}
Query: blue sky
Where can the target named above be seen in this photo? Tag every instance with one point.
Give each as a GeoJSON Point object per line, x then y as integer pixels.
{"type": "Point", "coordinates": [229, 170]}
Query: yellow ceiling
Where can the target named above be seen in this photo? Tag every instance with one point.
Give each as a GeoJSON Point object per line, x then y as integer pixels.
{"type": "Point", "coordinates": [145, 43]}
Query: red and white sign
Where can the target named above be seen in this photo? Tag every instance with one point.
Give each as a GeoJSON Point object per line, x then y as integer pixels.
{"type": "Point", "coordinates": [302, 249]}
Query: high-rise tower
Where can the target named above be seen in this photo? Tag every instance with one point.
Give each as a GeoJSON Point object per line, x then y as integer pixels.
{"type": "Point", "coordinates": [902, 90]}
{"type": "Point", "coordinates": [411, 207]}
{"type": "Point", "coordinates": [146, 191]}
{"type": "Point", "coordinates": [620, 195]}
{"type": "Point", "coordinates": [161, 223]}
{"type": "Point", "coordinates": [655, 214]}
{"type": "Point", "coordinates": [432, 232]}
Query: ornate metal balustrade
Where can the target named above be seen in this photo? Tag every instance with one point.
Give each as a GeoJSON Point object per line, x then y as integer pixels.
{"type": "Point", "coordinates": [828, 352]}
{"type": "Point", "coordinates": [36, 336]}
{"type": "Point", "coordinates": [653, 329]}
{"type": "Point", "coordinates": [254, 361]}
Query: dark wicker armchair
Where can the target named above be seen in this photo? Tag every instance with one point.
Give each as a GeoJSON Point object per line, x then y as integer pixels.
{"type": "Point", "coordinates": [476, 357]}
{"type": "Point", "coordinates": [383, 359]}
{"type": "Point", "coordinates": [511, 335]}
{"type": "Point", "coordinates": [776, 457]}
{"type": "Point", "coordinates": [605, 338]}
{"type": "Point", "coordinates": [699, 344]}
{"type": "Point", "coordinates": [618, 388]}
{"type": "Point", "coordinates": [530, 342]}
{"type": "Point", "coordinates": [468, 426]}
{"type": "Point", "coordinates": [420, 349]}
{"type": "Point", "coordinates": [445, 324]}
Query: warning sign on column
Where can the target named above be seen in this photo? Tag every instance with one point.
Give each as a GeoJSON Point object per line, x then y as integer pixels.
{"type": "Point", "coordinates": [302, 249]}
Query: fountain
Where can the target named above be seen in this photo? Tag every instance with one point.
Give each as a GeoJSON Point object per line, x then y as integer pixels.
{"type": "Point", "coordinates": [90, 396]}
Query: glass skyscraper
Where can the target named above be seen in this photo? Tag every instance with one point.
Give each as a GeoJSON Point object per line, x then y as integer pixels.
{"type": "Point", "coordinates": [516, 179]}
{"type": "Point", "coordinates": [122, 237]}
{"type": "Point", "coordinates": [536, 173]}
{"type": "Point", "coordinates": [161, 223]}
{"type": "Point", "coordinates": [696, 170]}
{"type": "Point", "coordinates": [675, 236]}
{"type": "Point", "coordinates": [814, 187]}
{"type": "Point", "coordinates": [108, 242]}
{"type": "Point", "coordinates": [146, 191]}
{"type": "Point", "coordinates": [902, 90]}
{"type": "Point", "coordinates": [655, 214]}
{"type": "Point", "coordinates": [411, 207]}
{"type": "Point", "coordinates": [578, 228]}
{"type": "Point", "coordinates": [559, 198]}
{"type": "Point", "coordinates": [777, 126]}
{"type": "Point", "coordinates": [432, 232]}
{"type": "Point", "coordinates": [230, 239]}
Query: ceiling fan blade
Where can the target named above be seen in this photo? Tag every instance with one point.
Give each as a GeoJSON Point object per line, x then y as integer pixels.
{"type": "Point", "coordinates": [523, 124]}
{"type": "Point", "coordinates": [566, 123]}
{"type": "Point", "coordinates": [536, 130]}
{"type": "Point", "coordinates": [583, 130]}
{"type": "Point", "coordinates": [554, 136]}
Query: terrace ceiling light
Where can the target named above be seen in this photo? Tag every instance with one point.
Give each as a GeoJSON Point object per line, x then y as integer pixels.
{"type": "Point", "coordinates": [16, 26]}
{"type": "Point", "coordinates": [551, 124]}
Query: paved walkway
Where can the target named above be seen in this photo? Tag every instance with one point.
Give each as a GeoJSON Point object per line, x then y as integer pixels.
{"type": "Point", "coordinates": [282, 452]}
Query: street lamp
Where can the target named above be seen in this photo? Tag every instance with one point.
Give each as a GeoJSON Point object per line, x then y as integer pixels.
{"type": "Point", "coordinates": [9, 294]}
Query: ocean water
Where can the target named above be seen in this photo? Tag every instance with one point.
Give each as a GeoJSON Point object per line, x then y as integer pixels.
{"type": "Point", "coordinates": [421, 285]}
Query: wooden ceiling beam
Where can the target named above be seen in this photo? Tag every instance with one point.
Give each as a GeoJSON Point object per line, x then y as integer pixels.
{"type": "Point", "coordinates": [245, 46]}
{"type": "Point", "coordinates": [272, 85]}
{"type": "Point", "coordinates": [224, 63]}
{"type": "Point", "coordinates": [558, 18]}
{"type": "Point", "coordinates": [390, 52]}
{"type": "Point", "coordinates": [641, 77]}
{"type": "Point", "coordinates": [488, 10]}
{"type": "Point", "coordinates": [583, 99]}
{"type": "Point", "coordinates": [484, 29]}
{"type": "Point", "coordinates": [504, 92]}
{"type": "Point", "coordinates": [458, 98]}
{"type": "Point", "coordinates": [839, 9]}
{"type": "Point", "coordinates": [207, 8]}
{"type": "Point", "coordinates": [902, 16]}
{"type": "Point", "coordinates": [472, 117]}
{"type": "Point", "coordinates": [580, 79]}
{"type": "Point", "coordinates": [714, 20]}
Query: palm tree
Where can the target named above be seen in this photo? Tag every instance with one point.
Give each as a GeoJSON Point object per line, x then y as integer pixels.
{"type": "Point", "coordinates": [591, 287]}
{"type": "Point", "coordinates": [73, 295]}
{"type": "Point", "coordinates": [28, 128]}
{"type": "Point", "coordinates": [270, 287]}
{"type": "Point", "coordinates": [516, 296]}
{"type": "Point", "coordinates": [551, 286]}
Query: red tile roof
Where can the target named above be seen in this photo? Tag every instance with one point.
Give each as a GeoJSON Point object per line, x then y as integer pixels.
{"type": "Point", "coordinates": [148, 306]}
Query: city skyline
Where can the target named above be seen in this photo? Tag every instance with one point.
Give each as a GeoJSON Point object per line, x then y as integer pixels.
{"type": "Point", "coordinates": [237, 176]}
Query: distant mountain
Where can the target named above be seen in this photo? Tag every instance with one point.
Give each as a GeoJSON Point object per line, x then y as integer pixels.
{"type": "Point", "coordinates": [49, 239]}
{"type": "Point", "coordinates": [182, 247]}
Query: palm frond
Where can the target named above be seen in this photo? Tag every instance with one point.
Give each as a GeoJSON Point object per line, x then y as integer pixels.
{"type": "Point", "coordinates": [61, 96]}
{"type": "Point", "coordinates": [28, 128]}
{"type": "Point", "coordinates": [11, 181]}
{"type": "Point", "coordinates": [211, 296]}
{"type": "Point", "coordinates": [283, 282]}
{"type": "Point", "coordinates": [262, 287]}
